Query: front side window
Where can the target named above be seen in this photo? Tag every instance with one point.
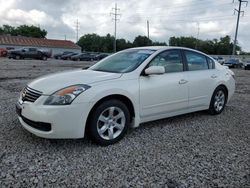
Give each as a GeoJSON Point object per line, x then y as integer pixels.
{"type": "Point", "coordinates": [125, 61]}
{"type": "Point", "coordinates": [171, 60]}
{"type": "Point", "coordinates": [196, 61]}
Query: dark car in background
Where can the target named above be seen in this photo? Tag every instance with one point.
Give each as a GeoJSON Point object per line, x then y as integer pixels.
{"type": "Point", "coordinates": [99, 57]}
{"type": "Point", "coordinates": [68, 56]}
{"type": "Point", "coordinates": [31, 53]}
{"type": "Point", "coordinates": [247, 65]}
{"type": "Point", "coordinates": [84, 57]}
{"type": "Point", "coordinates": [233, 63]}
{"type": "Point", "coordinates": [59, 55]}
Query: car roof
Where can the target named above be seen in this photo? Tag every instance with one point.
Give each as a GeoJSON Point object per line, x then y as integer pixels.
{"type": "Point", "coordinates": [161, 48]}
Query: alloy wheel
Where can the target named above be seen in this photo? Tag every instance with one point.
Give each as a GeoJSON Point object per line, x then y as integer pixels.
{"type": "Point", "coordinates": [111, 123]}
{"type": "Point", "coordinates": [219, 101]}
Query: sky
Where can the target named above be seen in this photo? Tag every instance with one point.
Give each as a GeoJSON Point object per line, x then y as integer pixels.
{"type": "Point", "coordinates": [205, 19]}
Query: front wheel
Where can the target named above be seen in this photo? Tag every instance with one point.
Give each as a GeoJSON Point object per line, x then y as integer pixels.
{"type": "Point", "coordinates": [109, 122]}
{"type": "Point", "coordinates": [18, 57]}
{"type": "Point", "coordinates": [218, 101]}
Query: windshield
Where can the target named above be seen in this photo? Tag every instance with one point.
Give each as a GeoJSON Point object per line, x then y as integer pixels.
{"type": "Point", "coordinates": [125, 61]}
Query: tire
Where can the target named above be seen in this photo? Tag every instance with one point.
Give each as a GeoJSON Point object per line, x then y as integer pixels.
{"type": "Point", "coordinates": [218, 101]}
{"type": "Point", "coordinates": [109, 122]}
{"type": "Point", "coordinates": [44, 58]}
{"type": "Point", "coordinates": [17, 57]}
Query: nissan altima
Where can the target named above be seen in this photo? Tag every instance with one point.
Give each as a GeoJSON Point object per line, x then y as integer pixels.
{"type": "Point", "coordinates": [124, 90]}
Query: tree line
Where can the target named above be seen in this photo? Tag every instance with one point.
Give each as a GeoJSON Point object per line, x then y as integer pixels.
{"type": "Point", "coordinates": [23, 30]}
{"type": "Point", "coordinates": [96, 43]}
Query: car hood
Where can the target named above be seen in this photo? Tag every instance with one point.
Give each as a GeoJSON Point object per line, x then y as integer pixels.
{"type": "Point", "coordinates": [54, 82]}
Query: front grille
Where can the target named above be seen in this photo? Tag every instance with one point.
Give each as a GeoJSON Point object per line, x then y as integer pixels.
{"type": "Point", "coordinates": [29, 94]}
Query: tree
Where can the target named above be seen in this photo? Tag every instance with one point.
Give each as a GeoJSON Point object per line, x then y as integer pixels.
{"type": "Point", "coordinates": [24, 30]}
{"type": "Point", "coordinates": [142, 41]}
{"type": "Point", "coordinates": [223, 46]}
{"type": "Point", "coordinates": [31, 31]}
{"type": "Point", "coordinates": [156, 43]}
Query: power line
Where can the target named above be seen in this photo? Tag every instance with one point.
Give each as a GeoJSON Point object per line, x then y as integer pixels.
{"type": "Point", "coordinates": [115, 15]}
{"type": "Point", "coordinates": [238, 20]}
{"type": "Point", "coordinates": [218, 6]}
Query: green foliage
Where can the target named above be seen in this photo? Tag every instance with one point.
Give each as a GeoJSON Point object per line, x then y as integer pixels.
{"type": "Point", "coordinates": [24, 30]}
{"type": "Point", "coordinates": [96, 43]}
{"type": "Point", "coordinates": [142, 41]}
{"type": "Point", "coordinates": [223, 46]}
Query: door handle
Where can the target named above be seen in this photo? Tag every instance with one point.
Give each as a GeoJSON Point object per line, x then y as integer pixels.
{"type": "Point", "coordinates": [182, 81]}
{"type": "Point", "coordinates": [214, 76]}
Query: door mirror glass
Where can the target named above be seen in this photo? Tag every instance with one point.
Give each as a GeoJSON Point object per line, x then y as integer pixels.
{"type": "Point", "coordinates": [155, 70]}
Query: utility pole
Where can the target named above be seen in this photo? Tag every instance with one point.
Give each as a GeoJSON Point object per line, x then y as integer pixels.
{"type": "Point", "coordinates": [148, 28]}
{"type": "Point", "coordinates": [237, 24]}
{"type": "Point", "coordinates": [198, 34]}
{"type": "Point", "coordinates": [115, 15]}
{"type": "Point", "coordinates": [77, 29]}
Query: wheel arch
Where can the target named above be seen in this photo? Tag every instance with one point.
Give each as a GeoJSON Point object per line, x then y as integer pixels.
{"type": "Point", "coordinates": [128, 102]}
{"type": "Point", "coordinates": [226, 89]}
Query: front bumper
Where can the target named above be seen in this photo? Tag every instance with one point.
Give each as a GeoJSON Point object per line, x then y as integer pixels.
{"type": "Point", "coordinates": [47, 121]}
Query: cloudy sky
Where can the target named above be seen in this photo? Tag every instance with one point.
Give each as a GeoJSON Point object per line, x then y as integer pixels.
{"type": "Point", "coordinates": [166, 18]}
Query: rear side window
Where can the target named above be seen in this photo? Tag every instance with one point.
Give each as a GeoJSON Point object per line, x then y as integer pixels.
{"type": "Point", "coordinates": [210, 63]}
{"type": "Point", "coordinates": [196, 61]}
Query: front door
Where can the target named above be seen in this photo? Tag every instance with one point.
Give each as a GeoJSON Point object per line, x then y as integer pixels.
{"type": "Point", "coordinates": [166, 93]}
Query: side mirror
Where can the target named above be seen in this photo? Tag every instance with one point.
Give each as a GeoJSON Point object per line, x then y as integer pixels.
{"type": "Point", "coordinates": [155, 70]}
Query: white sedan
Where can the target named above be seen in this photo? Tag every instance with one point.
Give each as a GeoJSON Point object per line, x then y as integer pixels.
{"type": "Point", "coordinates": [128, 88]}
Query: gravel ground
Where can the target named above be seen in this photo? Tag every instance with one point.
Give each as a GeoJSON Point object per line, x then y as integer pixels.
{"type": "Point", "coordinates": [193, 150]}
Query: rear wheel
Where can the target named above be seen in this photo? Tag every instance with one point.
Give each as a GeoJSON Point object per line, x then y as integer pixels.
{"type": "Point", "coordinates": [44, 58]}
{"type": "Point", "coordinates": [109, 122]}
{"type": "Point", "coordinates": [218, 101]}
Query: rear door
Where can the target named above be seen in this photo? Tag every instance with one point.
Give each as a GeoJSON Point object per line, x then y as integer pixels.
{"type": "Point", "coordinates": [202, 78]}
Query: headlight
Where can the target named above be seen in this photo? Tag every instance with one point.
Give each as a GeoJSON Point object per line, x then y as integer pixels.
{"type": "Point", "coordinates": [66, 95]}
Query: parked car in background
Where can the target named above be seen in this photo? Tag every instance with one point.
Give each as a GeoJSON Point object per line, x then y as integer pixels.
{"type": "Point", "coordinates": [31, 53]}
{"type": "Point", "coordinates": [3, 52]}
{"type": "Point", "coordinates": [126, 89]}
{"type": "Point", "coordinates": [58, 56]}
{"type": "Point", "coordinates": [68, 56]}
{"type": "Point", "coordinates": [84, 57]}
{"type": "Point", "coordinates": [247, 65]}
{"type": "Point", "coordinates": [233, 63]}
{"type": "Point", "coordinates": [99, 57]}
{"type": "Point", "coordinates": [221, 60]}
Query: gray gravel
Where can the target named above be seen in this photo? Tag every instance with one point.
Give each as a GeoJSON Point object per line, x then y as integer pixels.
{"type": "Point", "coordinates": [193, 150]}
